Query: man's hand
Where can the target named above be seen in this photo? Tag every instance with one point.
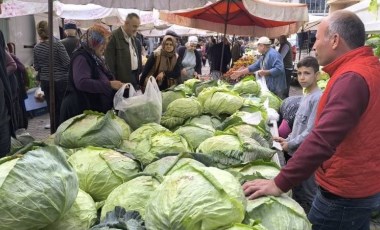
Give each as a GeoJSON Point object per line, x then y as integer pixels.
{"type": "Point", "coordinates": [278, 139]}
{"type": "Point", "coordinates": [235, 74]}
{"type": "Point", "coordinates": [284, 144]}
{"type": "Point", "coordinates": [260, 187]}
{"type": "Point", "coordinates": [263, 73]}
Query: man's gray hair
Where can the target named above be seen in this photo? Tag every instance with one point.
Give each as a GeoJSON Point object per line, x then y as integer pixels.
{"type": "Point", "coordinates": [132, 15]}
{"type": "Point", "coordinates": [349, 26]}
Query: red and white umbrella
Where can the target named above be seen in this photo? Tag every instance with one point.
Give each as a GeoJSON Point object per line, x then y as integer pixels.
{"type": "Point", "coordinates": [243, 17]}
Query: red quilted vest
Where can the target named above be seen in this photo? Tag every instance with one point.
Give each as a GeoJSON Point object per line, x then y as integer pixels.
{"type": "Point", "coordinates": [354, 169]}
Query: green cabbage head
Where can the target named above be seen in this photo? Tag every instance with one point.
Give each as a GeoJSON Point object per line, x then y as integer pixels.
{"type": "Point", "coordinates": [82, 215]}
{"type": "Point", "coordinates": [195, 199]}
{"type": "Point", "coordinates": [219, 100]}
{"type": "Point", "coordinates": [280, 213]}
{"type": "Point", "coordinates": [36, 189]}
{"type": "Point", "coordinates": [92, 128]}
{"type": "Point", "coordinates": [101, 170]}
{"type": "Point", "coordinates": [132, 195]}
{"type": "Point", "coordinates": [166, 165]}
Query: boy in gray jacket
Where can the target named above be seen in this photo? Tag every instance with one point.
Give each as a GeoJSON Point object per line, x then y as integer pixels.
{"type": "Point", "coordinates": [308, 72]}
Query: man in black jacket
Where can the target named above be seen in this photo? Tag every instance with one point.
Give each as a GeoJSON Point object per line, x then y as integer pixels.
{"type": "Point", "coordinates": [217, 64]}
{"type": "Point", "coordinates": [71, 42]}
{"type": "Point", "coordinates": [286, 52]}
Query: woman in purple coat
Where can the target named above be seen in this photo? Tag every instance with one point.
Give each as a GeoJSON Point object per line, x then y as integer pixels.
{"type": "Point", "coordinates": [91, 84]}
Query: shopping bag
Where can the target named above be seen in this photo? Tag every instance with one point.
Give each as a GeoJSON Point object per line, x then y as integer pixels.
{"type": "Point", "coordinates": [139, 109]}
{"type": "Point", "coordinates": [262, 82]}
{"type": "Point", "coordinates": [39, 95]}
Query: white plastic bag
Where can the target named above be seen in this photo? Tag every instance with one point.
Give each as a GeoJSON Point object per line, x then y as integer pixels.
{"type": "Point", "coordinates": [139, 109]}
{"type": "Point", "coordinates": [39, 95]}
{"type": "Point", "coordinates": [262, 82]}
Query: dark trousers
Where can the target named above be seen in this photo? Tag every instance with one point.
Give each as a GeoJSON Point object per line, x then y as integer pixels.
{"type": "Point", "coordinates": [331, 212]}
{"type": "Point", "coordinates": [5, 139]}
{"type": "Point", "coordinates": [288, 75]}
{"type": "Point", "coordinates": [59, 91]}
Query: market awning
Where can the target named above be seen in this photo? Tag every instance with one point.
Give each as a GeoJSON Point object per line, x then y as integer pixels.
{"type": "Point", "coordinates": [243, 17]}
{"type": "Point", "coordinates": [139, 4]}
{"type": "Point", "coordinates": [14, 8]}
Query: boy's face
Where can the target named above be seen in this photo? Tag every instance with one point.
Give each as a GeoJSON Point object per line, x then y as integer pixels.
{"type": "Point", "coordinates": [307, 77]}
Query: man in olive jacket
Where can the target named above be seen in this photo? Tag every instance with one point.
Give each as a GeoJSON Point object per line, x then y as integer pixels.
{"type": "Point", "coordinates": [123, 53]}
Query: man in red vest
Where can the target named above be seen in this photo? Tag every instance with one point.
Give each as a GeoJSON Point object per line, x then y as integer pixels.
{"type": "Point", "coordinates": [343, 148]}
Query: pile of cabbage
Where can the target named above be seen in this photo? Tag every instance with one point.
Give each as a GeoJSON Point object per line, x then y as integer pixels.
{"type": "Point", "coordinates": [96, 172]}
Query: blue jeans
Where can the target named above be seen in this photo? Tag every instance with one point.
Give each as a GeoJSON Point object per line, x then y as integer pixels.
{"type": "Point", "coordinates": [336, 213]}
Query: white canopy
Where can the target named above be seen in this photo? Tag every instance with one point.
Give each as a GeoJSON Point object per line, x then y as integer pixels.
{"type": "Point", "coordinates": [138, 4]}
{"type": "Point", "coordinates": [13, 8]}
{"type": "Point", "coordinates": [371, 21]}
{"type": "Point", "coordinates": [180, 30]}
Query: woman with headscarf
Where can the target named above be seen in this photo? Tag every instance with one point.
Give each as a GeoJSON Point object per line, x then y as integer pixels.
{"type": "Point", "coordinates": [60, 68]}
{"type": "Point", "coordinates": [163, 65]}
{"type": "Point", "coordinates": [190, 59]}
{"type": "Point", "coordinates": [91, 84]}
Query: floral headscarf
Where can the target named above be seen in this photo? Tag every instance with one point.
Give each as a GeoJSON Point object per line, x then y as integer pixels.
{"type": "Point", "coordinates": [95, 36]}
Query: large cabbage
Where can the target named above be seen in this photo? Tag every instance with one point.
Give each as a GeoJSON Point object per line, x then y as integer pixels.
{"type": "Point", "coordinates": [92, 128]}
{"type": "Point", "coordinates": [36, 189]}
{"type": "Point", "coordinates": [251, 131]}
{"type": "Point", "coordinates": [203, 120]}
{"type": "Point", "coordinates": [241, 117]}
{"type": "Point", "coordinates": [179, 110]}
{"type": "Point", "coordinates": [219, 100]}
{"type": "Point", "coordinates": [197, 199]}
{"type": "Point", "coordinates": [148, 149]}
{"type": "Point", "coordinates": [101, 170]}
{"type": "Point", "coordinates": [82, 215]}
{"type": "Point", "coordinates": [280, 213]}
{"type": "Point", "coordinates": [195, 135]}
{"type": "Point", "coordinates": [169, 96]}
{"type": "Point", "coordinates": [246, 227]}
{"type": "Point", "coordinates": [146, 131]}
{"type": "Point", "coordinates": [132, 195]}
{"type": "Point", "coordinates": [258, 168]}
{"type": "Point", "coordinates": [166, 165]}
{"type": "Point", "coordinates": [192, 82]}
{"type": "Point", "coordinates": [247, 86]}
{"type": "Point", "coordinates": [274, 100]}
{"type": "Point", "coordinates": [199, 87]}
{"type": "Point", "coordinates": [228, 150]}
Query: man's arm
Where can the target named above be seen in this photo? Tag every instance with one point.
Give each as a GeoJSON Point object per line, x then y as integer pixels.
{"type": "Point", "coordinates": [340, 115]}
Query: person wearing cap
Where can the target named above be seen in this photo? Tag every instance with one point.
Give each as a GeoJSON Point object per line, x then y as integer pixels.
{"type": "Point", "coordinates": [71, 41]}
{"type": "Point", "coordinates": [190, 59]}
{"type": "Point", "coordinates": [123, 53]}
{"type": "Point", "coordinates": [270, 65]}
